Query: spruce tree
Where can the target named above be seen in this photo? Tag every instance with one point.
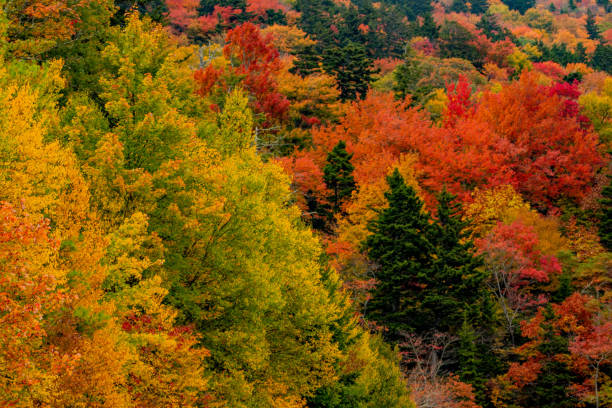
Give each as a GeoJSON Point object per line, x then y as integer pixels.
{"type": "Point", "coordinates": [470, 359]}
{"type": "Point", "coordinates": [605, 222]}
{"type": "Point", "coordinates": [338, 175]}
{"type": "Point", "coordinates": [551, 389]}
{"type": "Point", "coordinates": [428, 28]}
{"type": "Point", "coordinates": [602, 58]}
{"type": "Point", "coordinates": [479, 6]}
{"type": "Point", "coordinates": [351, 67]}
{"type": "Point", "coordinates": [520, 5]}
{"type": "Point", "coordinates": [456, 283]}
{"type": "Point", "coordinates": [307, 62]}
{"type": "Point", "coordinates": [429, 277]}
{"type": "Point", "coordinates": [591, 27]}
{"type": "Point", "coordinates": [400, 248]}
{"type": "Point", "coordinates": [459, 6]}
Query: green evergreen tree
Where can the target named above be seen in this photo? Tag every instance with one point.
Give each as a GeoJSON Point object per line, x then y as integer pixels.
{"type": "Point", "coordinates": [580, 55]}
{"type": "Point", "coordinates": [399, 246]}
{"type": "Point", "coordinates": [351, 67]}
{"type": "Point", "coordinates": [572, 5]}
{"type": "Point", "coordinates": [470, 359]}
{"type": "Point", "coordinates": [456, 283]}
{"type": "Point", "coordinates": [591, 26]}
{"type": "Point", "coordinates": [456, 41]}
{"type": "Point", "coordinates": [308, 61]}
{"type": "Point", "coordinates": [479, 6]}
{"type": "Point", "coordinates": [552, 387]}
{"type": "Point", "coordinates": [602, 58]}
{"type": "Point", "coordinates": [428, 28]}
{"type": "Point", "coordinates": [552, 8]}
{"type": "Point", "coordinates": [338, 176]}
{"type": "Point", "coordinates": [605, 222]}
{"type": "Point", "coordinates": [520, 5]}
{"type": "Point", "coordinates": [459, 6]}
{"type": "Point", "coordinates": [428, 275]}
{"type": "Point", "coordinates": [492, 29]}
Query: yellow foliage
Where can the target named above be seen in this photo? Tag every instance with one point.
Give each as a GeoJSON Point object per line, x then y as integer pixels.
{"type": "Point", "coordinates": [287, 39]}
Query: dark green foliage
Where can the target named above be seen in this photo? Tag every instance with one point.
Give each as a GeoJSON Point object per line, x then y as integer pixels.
{"type": "Point", "coordinates": [338, 176]}
{"type": "Point", "coordinates": [520, 5]}
{"type": "Point", "coordinates": [399, 246]}
{"type": "Point", "coordinates": [456, 41]}
{"type": "Point", "coordinates": [552, 387]}
{"type": "Point", "coordinates": [492, 29]}
{"type": "Point", "coordinates": [605, 4]}
{"type": "Point", "coordinates": [560, 54]}
{"type": "Point", "coordinates": [208, 6]}
{"type": "Point", "coordinates": [428, 28]}
{"type": "Point", "coordinates": [591, 27]}
{"type": "Point", "coordinates": [406, 78]}
{"type": "Point", "coordinates": [351, 67]}
{"type": "Point", "coordinates": [428, 277]}
{"type": "Point", "coordinates": [155, 9]}
{"type": "Point", "coordinates": [471, 360]}
{"type": "Point", "coordinates": [307, 62]}
{"type": "Point", "coordinates": [456, 286]}
{"type": "Point", "coordinates": [605, 221]}
{"type": "Point", "coordinates": [459, 6]}
{"type": "Point", "coordinates": [602, 58]}
{"type": "Point", "coordinates": [413, 8]}
{"type": "Point", "coordinates": [479, 6]}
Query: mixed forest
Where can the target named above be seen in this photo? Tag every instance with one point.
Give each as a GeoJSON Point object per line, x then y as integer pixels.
{"type": "Point", "coordinates": [306, 203]}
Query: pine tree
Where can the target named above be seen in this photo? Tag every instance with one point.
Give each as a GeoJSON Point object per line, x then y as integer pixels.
{"type": "Point", "coordinates": [602, 58]}
{"type": "Point", "coordinates": [520, 5]}
{"type": "Point", "coordinates": [351, 67]}
{"type": "Point", "coordinates": [429, 276]}
{"type": "Point", "coordinates": [605, 224]}
{"type": "Point", "coordinates": [456, 283]}
{"type": "Point", "coordinates": [591, 27]}
{"type": "Point", "coordinates": [338, 175]}
{"type": "Point", "coordinates": [470, 359]}
{"type": "Point", "coordinates": [428, 28]}
{"type": "Point", "coordinates": [551, 388]}
{"type": "Point", "coordinates": [479, 6]}
{"type": "Point", "coordinates": [307, 62]}
{"type": "Point", "coordinates": [398, 245]}
{"type": "Point", "coordinates": [459, 6]}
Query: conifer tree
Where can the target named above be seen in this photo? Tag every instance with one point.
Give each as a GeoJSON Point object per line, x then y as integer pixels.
{"type": "Point", "coordinates": [551, 389]}
{"type": "Point", "coordinates": [591, 26]}
{"type": "Point", "coordinates": [429, 275]}
{"type": "Point", "coordinates": [338, 175]}
{"type": "Point", "coordinates": [605, 224]}
{"type": "Point", "coordinates": [479, 6]}
{"type": "Point", "coordinates": [520, 5]}
{"type": "Point", "coordinates": [398, 245]}
{"type": "Point", "coordinates": [307, 62]}
{"type": "Point", "coordinates": [469, 358]}
{"type": "Point", "coordinates": [602, 57]}
{"type": "Point", "coordinates": [351, 67]}
{"type": "Point", "coordinates": [459, 6]}
{"type": "Point", "coordinates": [456, 284]}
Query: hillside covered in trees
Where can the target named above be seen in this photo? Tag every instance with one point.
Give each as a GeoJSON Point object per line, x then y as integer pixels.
{"type": "Point", "coordinates": [306, 203]}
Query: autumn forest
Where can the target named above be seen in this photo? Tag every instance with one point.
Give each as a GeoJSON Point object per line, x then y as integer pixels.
{"type": "Point", "coordinates": [306, 203]}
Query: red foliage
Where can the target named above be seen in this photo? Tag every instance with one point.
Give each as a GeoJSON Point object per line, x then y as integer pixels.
{"type": "Point", "coordinates": [550, 69]}
{"type": "Point", "coordinates": [459, 104]}
{"type": "Point", "coordinates": [254, 62]}
{"type": "Point", "coordinates": [549, 151]}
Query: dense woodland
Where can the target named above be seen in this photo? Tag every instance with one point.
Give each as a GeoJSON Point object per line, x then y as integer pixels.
{"type": "Point", "coordinates": [306, 203]}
